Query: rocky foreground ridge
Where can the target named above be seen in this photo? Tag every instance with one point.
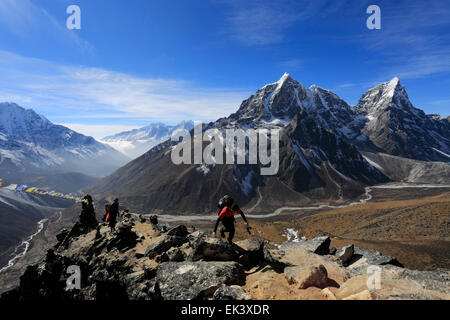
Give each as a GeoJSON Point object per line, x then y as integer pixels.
{"type": "Point", "coordinates": [142, 261]}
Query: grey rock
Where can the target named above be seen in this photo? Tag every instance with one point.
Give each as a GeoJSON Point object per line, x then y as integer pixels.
{"type": "Point", "coordinates": [179, 231]}
{"type": "Point", "coordinates": [373, 257]}
{"type": "Point", "coordinates": [124, 237]}
{"type": "Point", "coordinates": [230, 293]}
{"type": "Point", "coordinates": [254, 249]}
{"type": "Point", "coordinates": [195, 280]}
{"type": "Point", "coordinates": [145, 290]}
{"type": "Point", "coordinates": [195, 237]}
{"type": "Point", "coordinates": [436, 280]}
{"type": "Point", "coordinates": [332, 250]}
{"type": "Point", "coordinates": [345, 254]}
{"type": "Point", "coordinates": [319, 245]}
{"type": "Point", "coordinates": [214, 249]}
{"type": "Point", "coordinates": [162, 244]}
{"type": "Point", "coordinates": [175, 254]}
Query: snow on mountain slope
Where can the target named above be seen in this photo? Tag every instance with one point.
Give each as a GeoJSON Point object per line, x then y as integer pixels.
{"type": "Point", "coordinates": [136, 142]}
{"type": "Point", "coordinates": [316, 161]}
{"type": "Point", "coordinates": [396, 127]}
{"type": "Point", "coordinates": [29, 141]}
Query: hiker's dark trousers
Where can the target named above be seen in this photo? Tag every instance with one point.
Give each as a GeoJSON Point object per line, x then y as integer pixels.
{"type": "Point", "coordinates": [228, 226]}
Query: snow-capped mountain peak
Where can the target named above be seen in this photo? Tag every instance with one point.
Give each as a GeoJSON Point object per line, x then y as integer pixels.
{"type": "Point", "coordinates": [136, 142]}
{"type": "Point", "coordinates": [30, 141]}
{"type": "Point", "coordinates": [386, 95]}
{"type": "Point", "coordinates": [396, 127]}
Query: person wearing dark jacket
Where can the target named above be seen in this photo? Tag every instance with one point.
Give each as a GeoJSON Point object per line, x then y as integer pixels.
{"type": "Point", "coordinates": [226, 215]}
{"type": "Point", "coordinates": [113, 213]}
{"type": "Point", "coordinates": [87, 216]}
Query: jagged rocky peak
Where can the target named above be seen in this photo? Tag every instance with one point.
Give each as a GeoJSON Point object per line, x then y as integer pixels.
{"type": "Point", "coordinates": [30, 140]}
{"type": "Point", "coordinates": [275, 103]}
{"type": "Point", "coordinates": [396, 127]}
{"type": "Point", "coordinates": [15, 120]}
{"type": "Point", "coordinates": [386, 95]}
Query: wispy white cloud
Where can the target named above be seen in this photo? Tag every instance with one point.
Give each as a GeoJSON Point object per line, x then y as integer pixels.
{"type": "Point", "coordinates": [78, 95]}
{"type": "Point", "coordinates": [265, 22]}
{"type": "Point", "coordinates": [25, 19]}
{"type": "Point", "coordinates": [18, 16]}
{"type": "Point", "coordinates": [413, 39]}
{"type": "Point", "coordinates": [98, 131]}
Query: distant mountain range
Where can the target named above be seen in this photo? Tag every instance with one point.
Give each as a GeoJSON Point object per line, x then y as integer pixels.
{"type": "Point", "coordinates": [135, 143]}
{"type": "Point", "coordinates": [326, 152]}
{"type": "Point", "coordinates": [30, 143]}
{"type": "Point", "coordinates": [329, 151]}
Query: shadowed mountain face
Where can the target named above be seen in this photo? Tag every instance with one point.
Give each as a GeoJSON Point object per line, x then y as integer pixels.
{"type": "Point", "coordinates": [320, 139]}
{"type": "Point", "coordinates": [317, 161]}
{"type": "Point", "coordinates": [30, 142]}
{"type": "Point", "coordinates": [396, 127]}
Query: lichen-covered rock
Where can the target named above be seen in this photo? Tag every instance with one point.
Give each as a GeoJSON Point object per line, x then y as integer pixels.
{"type": "Point", "coordinates": [319, 245]}
{"type": "Point", "coordinates": [215, 249]}
{"type": "Point", "coordinates": [195, 280]}
{"type": "Point", "coordinates": [162, 244]}
{"type": "Point", "coordinates": [195, 237]}
{"type": "Point", "coordinates": [230, 293]}
{"type": "Point", "coordinates": [363, 258]}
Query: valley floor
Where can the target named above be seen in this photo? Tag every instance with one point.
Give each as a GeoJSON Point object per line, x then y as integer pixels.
{"type": "Point", "coordinates": [412, 224]}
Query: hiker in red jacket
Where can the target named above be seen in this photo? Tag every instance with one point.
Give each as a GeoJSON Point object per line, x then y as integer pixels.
{"type": "Point", "coordinates": [226, 215]}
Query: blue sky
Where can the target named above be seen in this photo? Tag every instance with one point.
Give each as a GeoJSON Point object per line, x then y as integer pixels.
{"type": "Point", "coordinates": [138, 61]}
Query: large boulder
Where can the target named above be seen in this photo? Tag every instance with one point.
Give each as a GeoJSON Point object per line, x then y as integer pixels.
{"type": "Point", "coordinates": [307, 276]}
{"type": "Point", "coordinates": [230, 293]}
{"type": "Point", "coordinates": [178, 231]}
{"type": "Point", "coordinates": [297, 256]}
{"type": "Point", "coordinates": [195, 280]}
{"type": "Point", "coordinates": [363, 258]}
{"type": "Point", "coordinates": [162, 244]}
{"type": "Point", "coordinates": [254, 250]}
{"type": "Point", "coordinates": [124, 237]}
{"type": "Point", "coordinates": [195, 237]}
{"type": "Point", "coordinates": [275, 257]}
{"type": "Point", "coordinates": [319, 245]}
{"type": "Point", "coordinates": [214, 249]}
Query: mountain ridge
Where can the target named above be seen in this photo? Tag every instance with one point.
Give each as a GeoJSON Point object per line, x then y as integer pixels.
{"type": "Point", "coordinates": [136, 142]}
{"type": "Point", "coordinates": [29, 141]}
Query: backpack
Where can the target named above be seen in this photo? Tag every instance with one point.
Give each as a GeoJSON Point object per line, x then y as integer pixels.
{"type": "Point", "coordinates": [225, 201]}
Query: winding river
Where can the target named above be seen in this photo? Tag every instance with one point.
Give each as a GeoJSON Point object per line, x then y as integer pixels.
{"type": "Point", "coordinates": [22, 248]}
